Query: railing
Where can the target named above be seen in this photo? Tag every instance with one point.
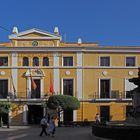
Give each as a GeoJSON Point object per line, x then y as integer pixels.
{"type": "Point", "coordinates": [22, 98]}
{"type": "Point", "coordinates": [95, 96]}
{"type": "Point", "coordinates": [113, 95]}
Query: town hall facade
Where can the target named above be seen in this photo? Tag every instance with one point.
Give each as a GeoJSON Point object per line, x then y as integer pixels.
{"type": "Point", "coordinates": [96, 75]}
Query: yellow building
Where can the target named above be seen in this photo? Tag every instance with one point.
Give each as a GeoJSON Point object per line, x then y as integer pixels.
{"type": "Point", "coordinates": [96, 75]}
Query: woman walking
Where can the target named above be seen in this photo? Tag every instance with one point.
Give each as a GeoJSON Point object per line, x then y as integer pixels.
{"type": "Point", "coordinates": [51, 126]}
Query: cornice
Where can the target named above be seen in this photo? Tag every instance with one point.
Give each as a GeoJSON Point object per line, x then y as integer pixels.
{"type": "Point", "coordinates": [68, 67]}
{"type": "Point", "coordinates": [71, 49]}
{"type": "Point", "coordinates": [33, 38]}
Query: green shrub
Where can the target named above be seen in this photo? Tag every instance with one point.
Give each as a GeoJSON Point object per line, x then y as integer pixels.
{"type": "Point", "coordinates": [66, 102]}
{"type": "Point", "coordinates": [4, 107]}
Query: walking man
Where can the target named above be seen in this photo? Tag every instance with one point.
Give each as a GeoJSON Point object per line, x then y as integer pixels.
{"type": "Point", "coordinates": [43, 123]}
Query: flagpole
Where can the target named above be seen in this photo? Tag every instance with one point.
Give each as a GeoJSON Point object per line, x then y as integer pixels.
{"type": "Point", "coordinates": [14, 89]}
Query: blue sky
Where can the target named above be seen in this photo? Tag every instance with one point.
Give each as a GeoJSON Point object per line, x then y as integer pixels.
{"type": "Point", "coordinates": [108, 22]}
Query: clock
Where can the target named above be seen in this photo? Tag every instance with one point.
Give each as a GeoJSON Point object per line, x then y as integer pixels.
{"type": "Point", "coordinates": [34, 43]}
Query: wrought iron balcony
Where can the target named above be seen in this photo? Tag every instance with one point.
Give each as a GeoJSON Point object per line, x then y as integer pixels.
{"type": "Point", "coordinates": [116, 96]}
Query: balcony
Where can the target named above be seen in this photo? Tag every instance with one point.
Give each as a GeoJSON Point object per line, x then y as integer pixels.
{"type": "Point", "coordinates": [114, 96]}
{"type": "Point", "coordinates": [23, 99]}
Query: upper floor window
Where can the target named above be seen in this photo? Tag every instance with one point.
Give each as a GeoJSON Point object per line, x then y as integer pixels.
{"type": "Point", "coordinates": [25, 61]}
{"type": "Point", "coordinates": [68, 61]}
{"type": "Point", "coordinates": [130, 61]}
{"type": "Point", "coordinates": [35, 61]}
{"type": "Point", "coordinates": [105, 61]}
{"type": "Point", "coordinates": [45, 61]}
{"type": "Point", "coordinates": [3, 61]}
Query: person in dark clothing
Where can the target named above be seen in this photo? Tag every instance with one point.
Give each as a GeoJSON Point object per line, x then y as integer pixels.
{"type": "Point", "coordinates": [43, 123]}
{"type": "Point", "coordinates": [48, 118]}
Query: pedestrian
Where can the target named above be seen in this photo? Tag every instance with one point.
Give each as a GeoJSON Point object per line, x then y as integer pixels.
{"type": "Point", "coordinates": [97, 119]}
{"type": "Point", "coordinates": [48, 118]}
{"type": "Point", "coordinates": [43, 124]}
{"type": "Point", "coordinates": [52, 126]}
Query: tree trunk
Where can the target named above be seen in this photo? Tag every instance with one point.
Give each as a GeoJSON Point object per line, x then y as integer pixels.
{"type": "Point", "coordinates": [8, 120]}
{"type": "Point", "coordinates": [0, 120]}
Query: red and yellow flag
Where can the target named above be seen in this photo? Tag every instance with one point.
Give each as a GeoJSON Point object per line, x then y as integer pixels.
{"type": "Point", "coordinates": [51, 85]}
{"type": "Point", "coordinates": [33, 84]}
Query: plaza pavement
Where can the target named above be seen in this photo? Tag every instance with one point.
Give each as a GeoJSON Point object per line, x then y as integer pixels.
{"type": "Point", "coordinates": [32, 133]}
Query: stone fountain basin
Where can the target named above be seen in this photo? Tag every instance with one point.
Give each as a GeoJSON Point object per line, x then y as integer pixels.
{"type": "Point", "coordinates": [117, 131]}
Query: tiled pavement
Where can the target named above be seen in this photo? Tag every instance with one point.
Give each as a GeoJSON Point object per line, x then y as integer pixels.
{"type": "Point", "coordinates": [32, 133]}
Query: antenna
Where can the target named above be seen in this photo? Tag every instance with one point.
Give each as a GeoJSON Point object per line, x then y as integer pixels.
{"type": "Point", "coordinates": [1, 27]}
{"type": "Point", "coordinates": [65, 37]}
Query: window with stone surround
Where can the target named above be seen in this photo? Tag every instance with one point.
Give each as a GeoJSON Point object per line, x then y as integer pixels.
{"type": "Point", "coordinates": [35, 61]}
{"type": "Point", "coordinates": [105, 61]}
{"type": "Point", "coordinates": [25, 61]}
{"type": "Point", "coordinates": [45, 61]}
{"type": "Point", "coordinates": [67, 61]}
{"type": "Point", "coordinates": [3, 61]}
{"type": "Point", "coordinates": [130, 61]}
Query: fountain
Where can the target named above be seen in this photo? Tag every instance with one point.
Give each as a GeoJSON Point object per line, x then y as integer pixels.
{"type": "Point", "coordinates": [135, 116]}
{"type": "Point", "coordinates": [130, 128]}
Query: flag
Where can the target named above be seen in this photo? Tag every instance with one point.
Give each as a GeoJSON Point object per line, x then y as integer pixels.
{"type": "Point", "coordinates": [14, 89]}
{"type": "Point", "coordinates": [33, 84]}
{"type": "Point", "coordinates": [51, 85]}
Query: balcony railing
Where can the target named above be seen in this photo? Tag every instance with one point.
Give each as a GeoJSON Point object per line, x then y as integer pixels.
{"type": "Point", "coordinates": [95, 96]}
{"type": "Point", "coordinates": [113, 96]}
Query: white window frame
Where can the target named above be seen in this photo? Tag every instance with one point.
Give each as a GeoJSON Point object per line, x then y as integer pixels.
{"type": "Point", "coordinates": [7, 62]}
{"type": "Point", "coordinates": [135, 61]}
{"type": "Point", "coordinates": [110, 87]}
{"type": "Point", "coordinates": [9, 83]}
{"type": "Point", "coordinates": [100, 61]}
{"type": "Point", "coordinates": [62, 85]}
{"type": "Point", "coordinates": [63, 61]}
